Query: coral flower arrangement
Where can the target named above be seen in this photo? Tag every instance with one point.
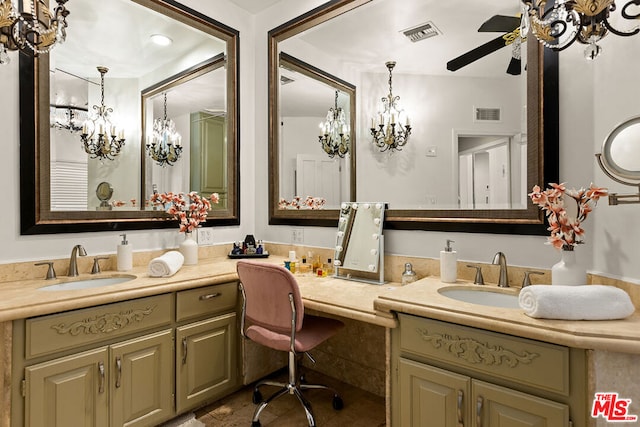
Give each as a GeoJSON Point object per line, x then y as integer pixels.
{"type": "Point", "coordinates": [189, 214]}
{"type": "Point", "coordinates": [297, 203]}
{"type": "Point", "coordinates": [566, 231]}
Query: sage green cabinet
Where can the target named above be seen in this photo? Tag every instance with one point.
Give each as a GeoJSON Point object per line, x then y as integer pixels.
{"type": "Point", "coordinates": [445, 375]}
{"type": "Point", "coordinates": [69, 391]}
{"type": "Point", "coordinates": [141, 381]}
{"type": "Point", "coordinates": [127, 383]}
{"type": "Point", "coordinates": [433, 397]}
{"type": "Point", "coordinates": [206, 365]}
{"type": "Point", "coordinates": [132, 363]}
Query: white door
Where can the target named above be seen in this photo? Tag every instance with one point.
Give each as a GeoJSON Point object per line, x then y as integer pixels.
{"type": "Point", "coordinates": [319, 176]}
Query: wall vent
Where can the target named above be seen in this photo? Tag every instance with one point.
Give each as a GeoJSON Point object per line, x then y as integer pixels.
{"type": "Point", "coordinates": [284, 80]}
{"type": "Point", "coordinates": [487, 114]}
{"type": "Point", "coordinates": [421, 32]}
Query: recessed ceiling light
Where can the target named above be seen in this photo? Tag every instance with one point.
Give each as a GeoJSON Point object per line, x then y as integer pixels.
{"type": "Point", "coordinates": [161, 39]}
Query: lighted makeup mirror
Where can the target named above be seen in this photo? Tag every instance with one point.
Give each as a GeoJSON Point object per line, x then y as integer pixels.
{"type": "Point", "coordinates": [620, 159]}
{"type": "Point", "coordinates": [360, 242]}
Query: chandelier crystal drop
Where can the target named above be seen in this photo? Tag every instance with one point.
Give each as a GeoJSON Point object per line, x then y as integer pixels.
{"type": "Point", "coordinates": [389, 134]}
{"type": "Point", "coordinates": [334, 132]}
{"type": "Point", "coordinates": [34, 30]}
{"type": "Point", "coordinates": [100, 138]}
{"type": "Point", "coordinates": [564, 22]}
{"type": "Point", "coordinates": [165, 146]}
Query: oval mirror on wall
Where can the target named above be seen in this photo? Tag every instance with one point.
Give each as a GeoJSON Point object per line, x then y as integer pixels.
{"type": "Point", "coordinates": [111, 56]}
{"type": "Point", "coordinates": [492, 114]}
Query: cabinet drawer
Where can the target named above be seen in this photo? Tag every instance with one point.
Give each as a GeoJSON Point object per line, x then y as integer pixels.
{"type": "Point", "coordinates": [58, 332]}
{"type": "Point", "coordinates": [541, 365]}
{"type": "Point", "coordinates": [207, 300]}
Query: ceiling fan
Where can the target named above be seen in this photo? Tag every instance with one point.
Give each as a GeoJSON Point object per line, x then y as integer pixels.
{"type": "Point", "coordinates": [510, 26]}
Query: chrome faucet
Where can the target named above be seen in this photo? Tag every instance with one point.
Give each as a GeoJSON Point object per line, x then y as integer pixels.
{"type": "Point", "coordinates": [501, 259]}
{"type": "Point", "coordinates": [73, 264]}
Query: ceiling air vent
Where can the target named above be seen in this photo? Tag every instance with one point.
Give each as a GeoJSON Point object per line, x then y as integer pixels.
{"type": "Point", "coordinates": [421, 32]}
{"type": "Point", "coordinates": [487, 114]}
{"type": "Point", "coordinates": [284, 80]}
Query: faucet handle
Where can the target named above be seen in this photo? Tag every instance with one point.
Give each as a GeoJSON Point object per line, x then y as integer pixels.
{"type": "Point", "coordinates": [526, 280]}
{"type": "Point", "coordinates": [479, 280]}
{"type": "Point", "coordinates": [51, 273]}
{"type": "Point", "coordinates": [96, 264]}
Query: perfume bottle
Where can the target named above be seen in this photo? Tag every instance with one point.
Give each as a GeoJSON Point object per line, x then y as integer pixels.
{"type": "Point", "coordinates": [408, 276]}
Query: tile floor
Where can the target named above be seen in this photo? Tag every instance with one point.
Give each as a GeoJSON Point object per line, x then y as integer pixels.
{"type": "Point", "coordinates": [361, 408]}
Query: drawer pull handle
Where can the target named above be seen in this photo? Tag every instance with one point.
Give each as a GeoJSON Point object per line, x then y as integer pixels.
{"type": "Point", "coordinates": [479, 412]}
{"type": "Point", "coordinates": [210, 296]}
{"type": "Point", "coordinates": [460, 399]}
{"type": "Point", "coordinates": [101, 379]}
{"type": "Point", "coordinates": [118, 372]}
{"type": "Point", "coordinates": [184, 351]}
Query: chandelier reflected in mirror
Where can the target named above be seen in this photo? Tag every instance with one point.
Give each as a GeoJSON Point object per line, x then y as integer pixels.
{"type": "Point", "coordinates": [31, 27]}
{"type": "Point", "coordinates": [334, 132]}
{"type": "Point", "coordinates": [165, 146]}
{"type": "Point", "coordinates": [67, 117]}
{"type": "Point", "coordinates": [389, 134]}
{"type": "Point", "coordinates": [100, 138]}
{"type": "Point", "coordinates": [585, 21]}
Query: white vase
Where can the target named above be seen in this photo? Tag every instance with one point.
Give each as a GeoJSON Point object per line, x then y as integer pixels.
{"type": "Point", "coordinates": [568, 271]}
{"type": "Point", "coordinates": [189, 249]}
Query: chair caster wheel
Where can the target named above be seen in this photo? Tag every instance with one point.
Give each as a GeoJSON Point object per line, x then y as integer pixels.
{"type": "Point", "coordinates": [337, 403]}
{"type": "Point", "coordinates": [257, 398]}
{"type": "Point", "coordinates": [255, 424]}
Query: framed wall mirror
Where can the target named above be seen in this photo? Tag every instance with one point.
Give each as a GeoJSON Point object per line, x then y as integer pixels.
{"type": "Point", "coordinates": [481, 136]}
{"type": "Point", "coordinates": [110, 59]}
{"type": "Point", "coordinates": [316, 170]}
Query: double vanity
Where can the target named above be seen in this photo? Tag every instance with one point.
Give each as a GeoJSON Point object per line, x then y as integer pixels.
{"type": "Point", "coordinates": [115, 349]}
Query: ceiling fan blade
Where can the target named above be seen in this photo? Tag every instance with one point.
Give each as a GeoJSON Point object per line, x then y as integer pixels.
{"type": "Point", "coordinates": [514, 67]}
{"type": "Point", "coordinates": [500, 24]}
{"type": "Point", "coordinates": [475, 54]}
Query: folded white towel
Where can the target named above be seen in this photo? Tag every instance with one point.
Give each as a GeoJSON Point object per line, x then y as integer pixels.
{"type": "Point", "coordinates": [588, 302]}
{"type": "Point", "coordinates": [166, 265]}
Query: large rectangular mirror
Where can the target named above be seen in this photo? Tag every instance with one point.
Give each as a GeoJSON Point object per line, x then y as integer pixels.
{"type": "Point", "coordinates": [481, 136]}
{"type": "Point", "coordinates": [110, 61]}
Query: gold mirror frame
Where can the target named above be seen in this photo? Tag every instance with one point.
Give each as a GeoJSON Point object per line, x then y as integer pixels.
{"type": "Point", "coordinates": [542, 156]}
{"type": "Point", "coordinates": [36, 216]}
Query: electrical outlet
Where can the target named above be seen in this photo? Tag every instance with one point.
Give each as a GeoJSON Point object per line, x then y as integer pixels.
{"type": "Point", "coordinates": [205, 236]}
{"type": "Point", "coordinates": [297, 236]}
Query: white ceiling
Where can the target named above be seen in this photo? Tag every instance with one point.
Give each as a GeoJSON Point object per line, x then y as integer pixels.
{"type": "Point", "coordinates": [255, 6]}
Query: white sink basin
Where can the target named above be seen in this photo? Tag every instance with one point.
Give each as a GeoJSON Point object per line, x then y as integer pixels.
{"type": "Point", "coordinates": [482, 296]}
{"type": "Point", "coordinates": [87, 283]}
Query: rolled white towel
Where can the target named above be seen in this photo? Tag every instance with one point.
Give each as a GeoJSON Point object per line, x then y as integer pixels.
{"type": "Point", "coordinates": [588, 302]}
{"type": "Point", "coordinates": [166, 265]}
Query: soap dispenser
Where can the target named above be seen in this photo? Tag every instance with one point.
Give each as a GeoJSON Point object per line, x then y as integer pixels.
{"type": "Point", "coordinates": [448, 264]}
{"type": "Point", "coordinates": [124, 255]}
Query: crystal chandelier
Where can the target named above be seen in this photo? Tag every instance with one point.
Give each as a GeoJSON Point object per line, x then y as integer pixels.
{"type": "Point", "coordinates": [36, 29]}
{"type": "Point", "coordinates": [68, 117]}
{"type": "Point", "coordinates": [165, 147]}
{"type": "Point", "coordinates": [390, 134]}
{"type": "Point", "coordinates": [99, 137]}
{"type": "Point", "coordinates": [334, 133]}
{"type": "Point", "coordinates": [567, 21]}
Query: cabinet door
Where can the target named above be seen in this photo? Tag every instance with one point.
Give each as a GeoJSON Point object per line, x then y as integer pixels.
{"type": "Point", "coordinates": [141, 380]}
{"type": "Point", "coordinates": [206, 360]}
{"type": "Point", "coordinates": [500, 406]}
{"type": "Point", "coordinates": [432, 397]}
{"type": "Point", "coordinates": [70, 391]}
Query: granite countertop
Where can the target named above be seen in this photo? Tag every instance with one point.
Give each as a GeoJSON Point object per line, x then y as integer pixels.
{"type": "Point", "coordinates": [376, 304]}
{"type": "Point", "coordinates": [422, 298]}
